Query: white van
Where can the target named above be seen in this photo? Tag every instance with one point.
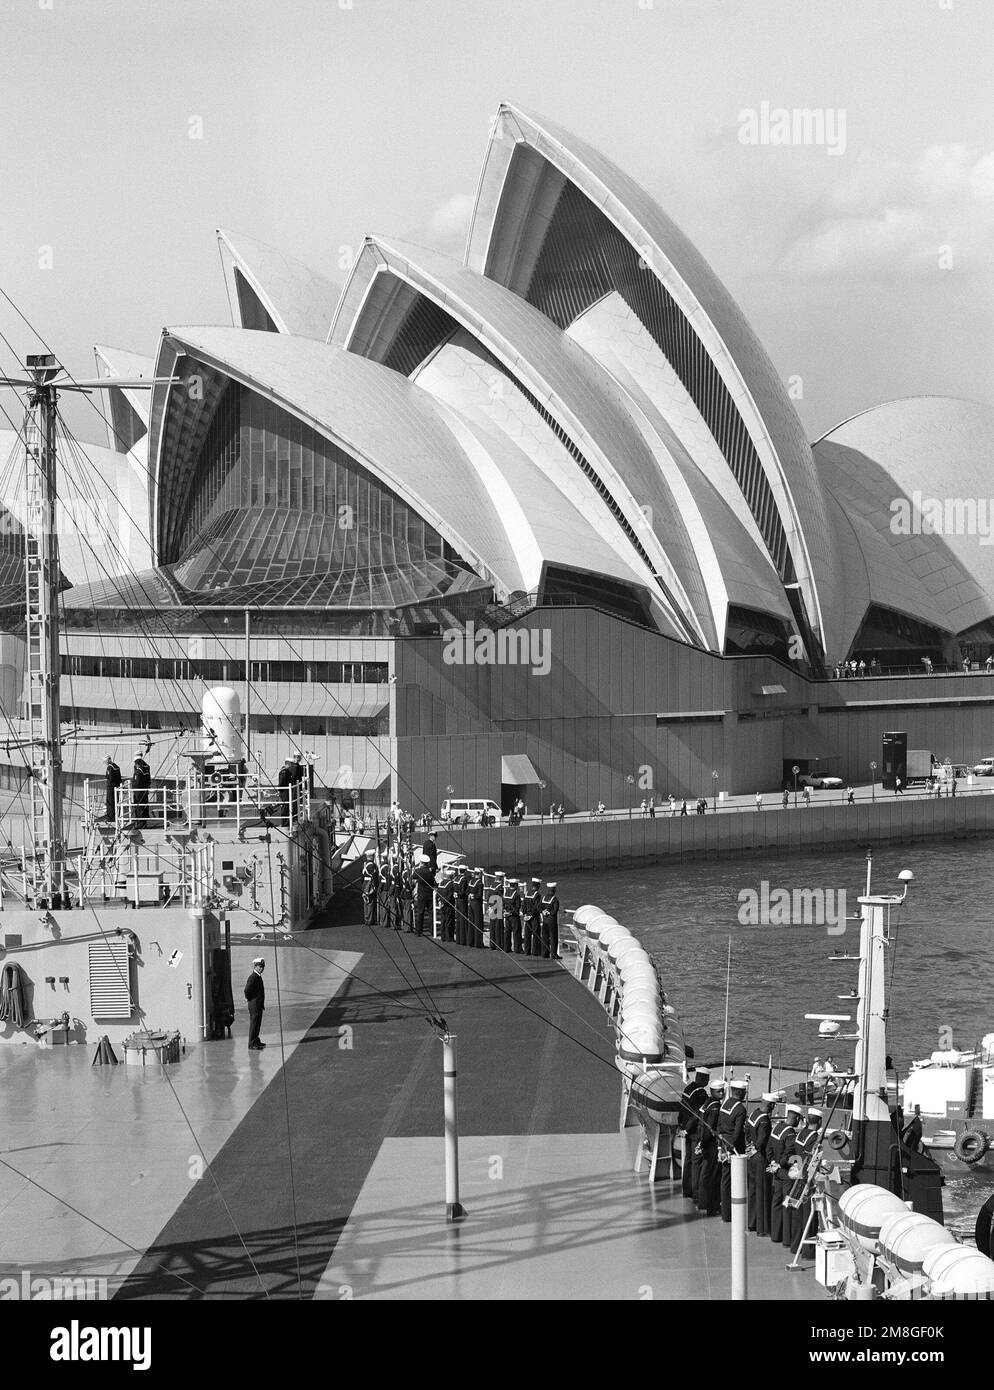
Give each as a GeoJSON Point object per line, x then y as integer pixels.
{"type": "Point", "coordinates": [454, 809]}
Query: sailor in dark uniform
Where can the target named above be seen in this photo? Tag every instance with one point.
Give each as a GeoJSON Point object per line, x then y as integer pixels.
{"type": "Point", "coordinates": [495, 911]}
{"type": "Point", "coordinates": [782, 1140]}
{"type": "Point", "coordinates": [476, 891]}
{"type": "Point", "coordinates": [512, 917]}
{"type": "Point", "coordinates": [731, 1139]}
{"type": "Point", "coordinates": [407, 897]}
{"type": "Point", "coordinates": [550, 923]}
{"type": "Point", "coordinates": [447, 904]}
{"type": "Point", "coordinates": [113, 775]}
{"type": "Point", "coordinates": [396, 894]}
{"type": "Point", "coordinates": [533, 919]}
{"type": "Point", "coordinates": [805, 1145]}
{"type": "Point", "coordinates": [692, 1101]}
{"type": "Point", "coordinates": [424, 888]}
{"type": "Point", "coordinates": [384, 894]}
{"type": "Point", "coordinates": [369, 889]}
{"type": "Point", "coordinates": [430, 847]}
{"type": "Point", "coordinates": [141, 780]}
{"type": "Point", "coordinates": [709, 1190]}
{"type": "Point", "coordinates": [462, 907]}
{"type": "Point", "coordinates": [758, 1132]}
{"type": "Point", "coordinates": [286, 780]}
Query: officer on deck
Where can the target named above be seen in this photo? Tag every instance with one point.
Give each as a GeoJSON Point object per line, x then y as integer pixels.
{"type": "Point", "coordinates": [693, 1100]}
{"type": "Point", "coordinates": [424, 887]}
{"type": "Point", "coordinates": [781, 1149]}
{"type": "Point", "coordinates": [550, 923]}
{"type": "Point", "coordinates": [758, 1130]}
{"type": "Point", "coordinates": [369, 889]}
{"type": "Point", "coordinates": [512, 917]}
{"type": "Point", "coordinates": [533, 919]}
{"type": "Point", "coordinates": [709, 1191]}
{"type": "Point", "coordinates": [731, 1139]}
{"type": "Point", "coordinates": [805, 1145]}
{"type": "Point", "coordinates": [447, 904]}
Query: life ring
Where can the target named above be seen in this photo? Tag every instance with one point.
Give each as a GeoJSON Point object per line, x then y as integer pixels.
{"type": "Point", "coordinates": [971, 1146]}
{"type": "Point", "coordinates": [838, 1139]}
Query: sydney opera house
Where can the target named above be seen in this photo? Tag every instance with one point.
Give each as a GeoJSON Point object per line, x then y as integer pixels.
{"type": "Point", "coordinates": [570, 440]}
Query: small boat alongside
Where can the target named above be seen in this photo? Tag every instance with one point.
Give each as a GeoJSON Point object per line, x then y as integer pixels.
{"type": "Point", "coordinates": [952, 1094]}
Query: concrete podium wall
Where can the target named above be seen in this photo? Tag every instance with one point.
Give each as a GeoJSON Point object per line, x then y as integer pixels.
{"type": "Point", "coordinates": [552, 848]}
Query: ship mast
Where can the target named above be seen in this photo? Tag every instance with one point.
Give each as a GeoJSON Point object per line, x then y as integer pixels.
{"type": "Point", "coordinates": [46, 866]}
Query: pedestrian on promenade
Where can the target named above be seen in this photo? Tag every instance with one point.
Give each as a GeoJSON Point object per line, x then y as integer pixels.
{"type": "Point", "coordinates": [652, 808]}
{"type": "Point", "coordinates": [255, 993]}
{"type": "Point", "coordinates": [898, 787]}
{"type": "Point", "coordinates": [759, 801]}
{"type": "Point", "coordinates": [672, 800]}
{"type": "Point", "coordinates": [683, 807]}
{"type": "Point", "coordinates": [850, 797]}
{"type": "Point", "coordinates": [786, 797]}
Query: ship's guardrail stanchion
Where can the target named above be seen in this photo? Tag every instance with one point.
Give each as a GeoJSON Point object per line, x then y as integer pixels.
{"type": "Point", "coordinates": [740, 1265]}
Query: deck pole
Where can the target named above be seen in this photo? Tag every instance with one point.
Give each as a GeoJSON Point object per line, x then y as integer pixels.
{"type": "Point", "coordinates": [740, 1274]}
{"type": "Point", "coordinates": [453, 1209]}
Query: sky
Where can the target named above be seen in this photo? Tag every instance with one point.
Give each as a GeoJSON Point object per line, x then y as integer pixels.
{"type": "Point", "coordinates": [859, 246]}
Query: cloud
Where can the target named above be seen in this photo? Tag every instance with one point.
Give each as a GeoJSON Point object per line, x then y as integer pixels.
{"type": "Point", "coordinates": [897, 219]}
{"type": "Point", "coordinates": [449, 223]}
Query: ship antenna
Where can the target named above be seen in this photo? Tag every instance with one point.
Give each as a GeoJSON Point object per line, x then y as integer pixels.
{"type": "Point", "coordinates": [728, 985]}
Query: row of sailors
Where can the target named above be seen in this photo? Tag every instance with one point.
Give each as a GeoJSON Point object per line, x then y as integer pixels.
{"type": "Point", "coordinates": [522, 918]}
{"type": "Point", "coordinates": [778, 1151]}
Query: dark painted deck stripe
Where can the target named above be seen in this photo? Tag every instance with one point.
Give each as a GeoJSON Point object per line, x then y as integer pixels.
{"type": "Point", "coordinates": [516, 1076]}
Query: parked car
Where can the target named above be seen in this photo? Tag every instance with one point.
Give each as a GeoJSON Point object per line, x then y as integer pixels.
{"type": "Point", "coordinates": [819, 781]}
{"type": "Point", "coordinates": [985, 768]}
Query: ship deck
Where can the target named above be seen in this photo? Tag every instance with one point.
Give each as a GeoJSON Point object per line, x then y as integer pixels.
{"type": "Point", "coordinates": [102, 1176]}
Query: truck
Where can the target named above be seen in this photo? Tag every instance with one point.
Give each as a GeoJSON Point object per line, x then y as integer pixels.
{"type": "Point", "coordinates": [921, 765]}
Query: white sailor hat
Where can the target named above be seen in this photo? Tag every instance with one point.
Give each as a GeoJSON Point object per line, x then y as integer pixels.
{"type": "Point", "coordinates": [371, 854]}
{"type": "Point", "coordinates": [551, 883]}
{"type": "Point", "coordinates": [793, 1109]}
{"type": "Point", "coordinates": [738, 1085]}
{"type": "Point", "coordinates": [716, 1085]}
{"type": "Point", "coordinates": [423, 859]}
{"type": "Point", "coordinates": [814, 1113]}
{"type": "Point", "coordinates": [703, 1072]}
{"type": "Point", "coordinates": [770, 1096]}
{"type": "Point", "coordinates": [258, 961]}
{"type": "Point", "coordinates": [536, 880]}
{"type": "Point", "coordinates": [512, 880]}
{"type": "Point", "coordinates": [498, 873]}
